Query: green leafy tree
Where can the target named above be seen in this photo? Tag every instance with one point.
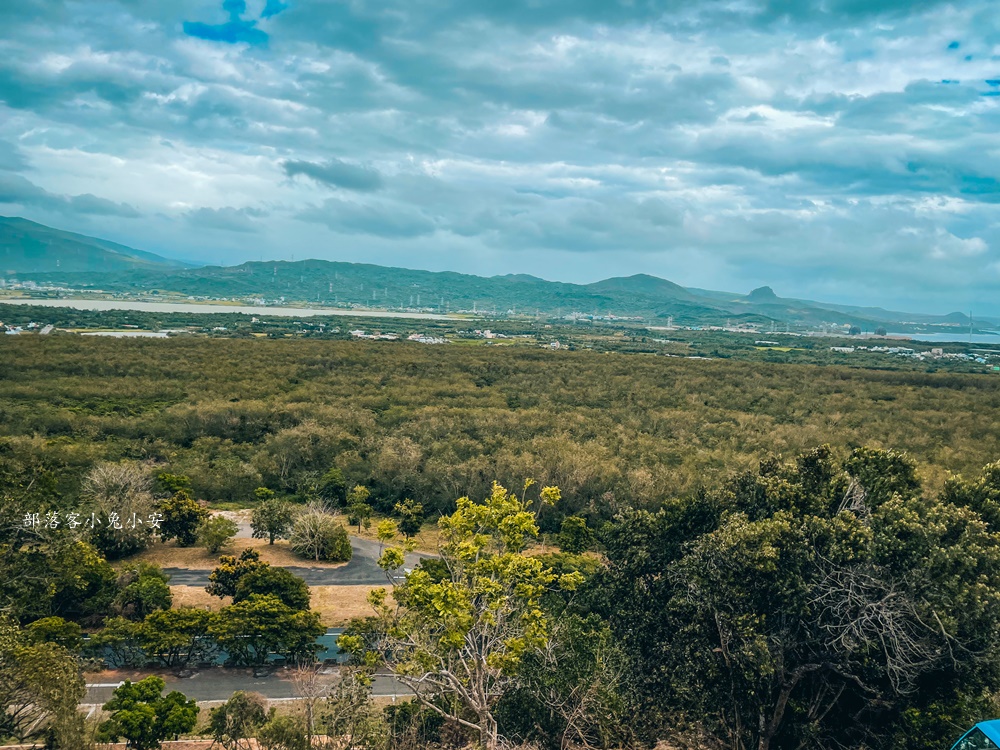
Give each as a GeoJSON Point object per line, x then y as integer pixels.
{"type": "Point", "coordinates": [171, 484]}
{"type": "Point", "coordinates": [359, 510]}
{"type": "Point", "coordinates": [234, 723]}
{"type": "Point", "coordinates": [261, 625]}
{"type": "Point", "coordinates": [318, 535]}
{"type": "Point", "coordinates": [143, 717]}
{"type": "Point", "coordinates": [574, 536]}
{"type": "Point", "coordinates": [271, 519]}
{"type": "Point", "coordinates": [411, 517]}
{"type": "Point", "coordinates": [784, 613]}
{"type": "Point", "coordinates": [289, 588]}
{"type": "Point", "coordinates": [216, 533]}
{"type": "Point", "coordinates": [226, 577]}
{"type": "Point", "coordinates": [177, 637]}
{"type": "Point", "coordinates": [56, 630]}
{"type": "Point", "coordinates": [182, 515]}
{"type": "Point", "coordinates": [283, 733]}
{"type": "Point", "coordinates": [332, 487]}
{"type": "Point", "coordinates": [119, 643]}
{"type": "Point", "coordinates": [459, 644]}
{"type": "Point", "coordinates": [40, 687]}
{"type": "Point", "coordinates": [144, 588]}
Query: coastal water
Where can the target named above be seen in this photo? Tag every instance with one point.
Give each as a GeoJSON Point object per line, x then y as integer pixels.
{"type": "Point", "coordinates": [976, 338]}
{"type": "Point", "coordinates": [181, 307]}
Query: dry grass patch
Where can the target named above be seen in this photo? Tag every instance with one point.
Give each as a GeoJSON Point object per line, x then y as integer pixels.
{"type": "Point", "coordinates": [169, 555]}
{"type": "Point", "coordinates": [196, 596]}
{"type": "Point", "coordinates": [337, 605]}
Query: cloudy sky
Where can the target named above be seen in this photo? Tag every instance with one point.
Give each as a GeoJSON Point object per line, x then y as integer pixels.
{"type": "Point", "coordinates": [843, 150]}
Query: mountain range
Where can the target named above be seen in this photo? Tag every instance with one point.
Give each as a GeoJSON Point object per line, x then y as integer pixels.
{"type": "Point", "coordinates": [31, 251]}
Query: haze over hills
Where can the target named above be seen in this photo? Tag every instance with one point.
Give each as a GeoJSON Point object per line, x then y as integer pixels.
{"type": "Point", "coordinates": [49, 256]}
{"type": "Point", "coordinates": [29, 247]}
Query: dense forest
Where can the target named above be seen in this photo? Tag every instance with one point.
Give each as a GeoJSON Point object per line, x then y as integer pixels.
{"type": "Point", "coordinates": [437, 423]}
{"type": "Point", "coordinates": [750, 554]}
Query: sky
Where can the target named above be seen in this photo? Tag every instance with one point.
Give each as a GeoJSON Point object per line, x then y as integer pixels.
{"type": "Point", "coordinates": [839, 150]}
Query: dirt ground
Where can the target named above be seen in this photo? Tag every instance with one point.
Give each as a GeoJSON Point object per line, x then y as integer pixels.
{"type": "Point", "coordinates": [169, 555]}
{"type": "Point", "coordinates": [337, 605]}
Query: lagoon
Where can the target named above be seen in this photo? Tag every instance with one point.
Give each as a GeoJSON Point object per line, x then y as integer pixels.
{"type": "Point", "coordinates": [181, 307]}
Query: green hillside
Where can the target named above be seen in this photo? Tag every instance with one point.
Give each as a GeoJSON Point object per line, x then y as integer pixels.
{"type": "Point", "coordinates": [29, 247]}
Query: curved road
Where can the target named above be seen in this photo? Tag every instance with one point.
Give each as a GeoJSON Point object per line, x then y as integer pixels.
{"type": "Point", "coordinates": [362, 570]}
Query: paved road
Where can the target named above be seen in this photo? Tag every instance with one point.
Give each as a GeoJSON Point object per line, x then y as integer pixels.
{"type": "Point", "coordinates": [362, 570]}
{"type": "Point", "coordinates": [220, 684]}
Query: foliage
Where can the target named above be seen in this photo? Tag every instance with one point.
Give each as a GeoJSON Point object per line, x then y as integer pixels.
{"type": "Point", "coordinates": [574, 693]}
{"type": "Point", "coordinates": [289, 588]}
{"type": "Point", "coordinates": [143, 588]}
{"type": "Point", "coordinates": [234, 723]}
{"type": "Point", "coordinates": [810, 602]}
{"type": "Point", "coordinates": [119, 643]}
{"type": "Point", "coordinates": [261, 625]}
{"type": "Point", "coordinates": [226, 577]}
{"type": "Point", "coordinates": [466, 636]}
{"type": "Point", "coordinates": [55, 630]}
{"type": "Point", "coordinates": [282, 733]}
{"type": "Point", "coordinates": [121, 501]}
{"type": "Point", "coordinates": [333, 486]}
{"type": "Point", "coordinates": [318, 535]}
{"type": "Point", "coordinates": [143, 717]}
{"type": "Point", "coordinates": [411, 516]}
{"type": "Point", "coordinates": [359, 509]}
{"type": "Point", "coordinates": [177, 637]}
{"type": "Point", "coordinates": [40, 687]}
{"type": "Point", "coordinates": [182, 515]}
{"type": "Point", "coordinates": [271, 519]}
{"type": "Point", "coordinates": [574, 536]}
{"type": "Point", "coordinates": [216, 533]}
{"type": "Point", "coordinates": [350, 716]}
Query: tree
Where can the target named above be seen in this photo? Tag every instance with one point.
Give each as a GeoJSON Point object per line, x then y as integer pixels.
{"type": "Point", "coordinates": [216, 533]}
{"type": "Point", "coordinates": [350, 715]}
{"type": "Point", "coordinates": [411, 517]}
{"type": "Point", "coordinates": [55, 630]}
{"type": "Point", "coordinates": [289, 588]}
{"type": "Point", "coordinates": [359, 510]}
{"type": "Point", "coordinates": [271, 519]}
{"type": "Point", "coordinates": [234, 723]}
{"type": "Point", "coordinates": [332, 487]}
{"type": "Point", "coordinates": [283, 733]}
{"type": "Point", "coordinates": [182, 515]}
{"type": "Point", "coordinates": [143, 588]}
{"type": "Point", "coordinates": [143, 717]}
{"type": "Point", "coordinates": [119, 643]}
{"type": "Point", "coordinates": [854, 331]}
{"type": "Point", "coordinates": [786, 610]}
{"type": "Point", "coordinates": [463, 639]}
{"type": "Point", "coordinates": [261, 625]}
{"type": "Point", "coordinates": [318, 536]}
{"type": "Point", "coordinates": [226, 577]}
{"type": "Point", "coordinates": [177, 637]}
{"type": "Point", "coordinates": [40, 688]}
{"type": "Point", "coordinates": [121, 502]}
{"type": "Point", "coordinates": [574, 536]}
{"type": "Point", "coordinates": [880, 331]}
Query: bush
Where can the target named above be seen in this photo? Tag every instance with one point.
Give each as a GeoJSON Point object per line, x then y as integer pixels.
{"type": "Point", "coordinates": [318, 536]}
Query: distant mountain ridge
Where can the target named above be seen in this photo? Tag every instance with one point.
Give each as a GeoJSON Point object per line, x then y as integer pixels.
{"type": "Point", "coordinates": [361, 284]}
{"type": "Point", "coordinates": [29, 247]}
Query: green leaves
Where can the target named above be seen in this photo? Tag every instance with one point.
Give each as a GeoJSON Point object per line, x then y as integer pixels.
{"type": "Point", "coordinates": [144, 717]}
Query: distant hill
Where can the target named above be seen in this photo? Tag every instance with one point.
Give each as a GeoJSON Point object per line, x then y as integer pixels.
{"type": "Point", "coordinates": [28, 247]}
{"type": "Point", "coordinates": [49, 255]}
